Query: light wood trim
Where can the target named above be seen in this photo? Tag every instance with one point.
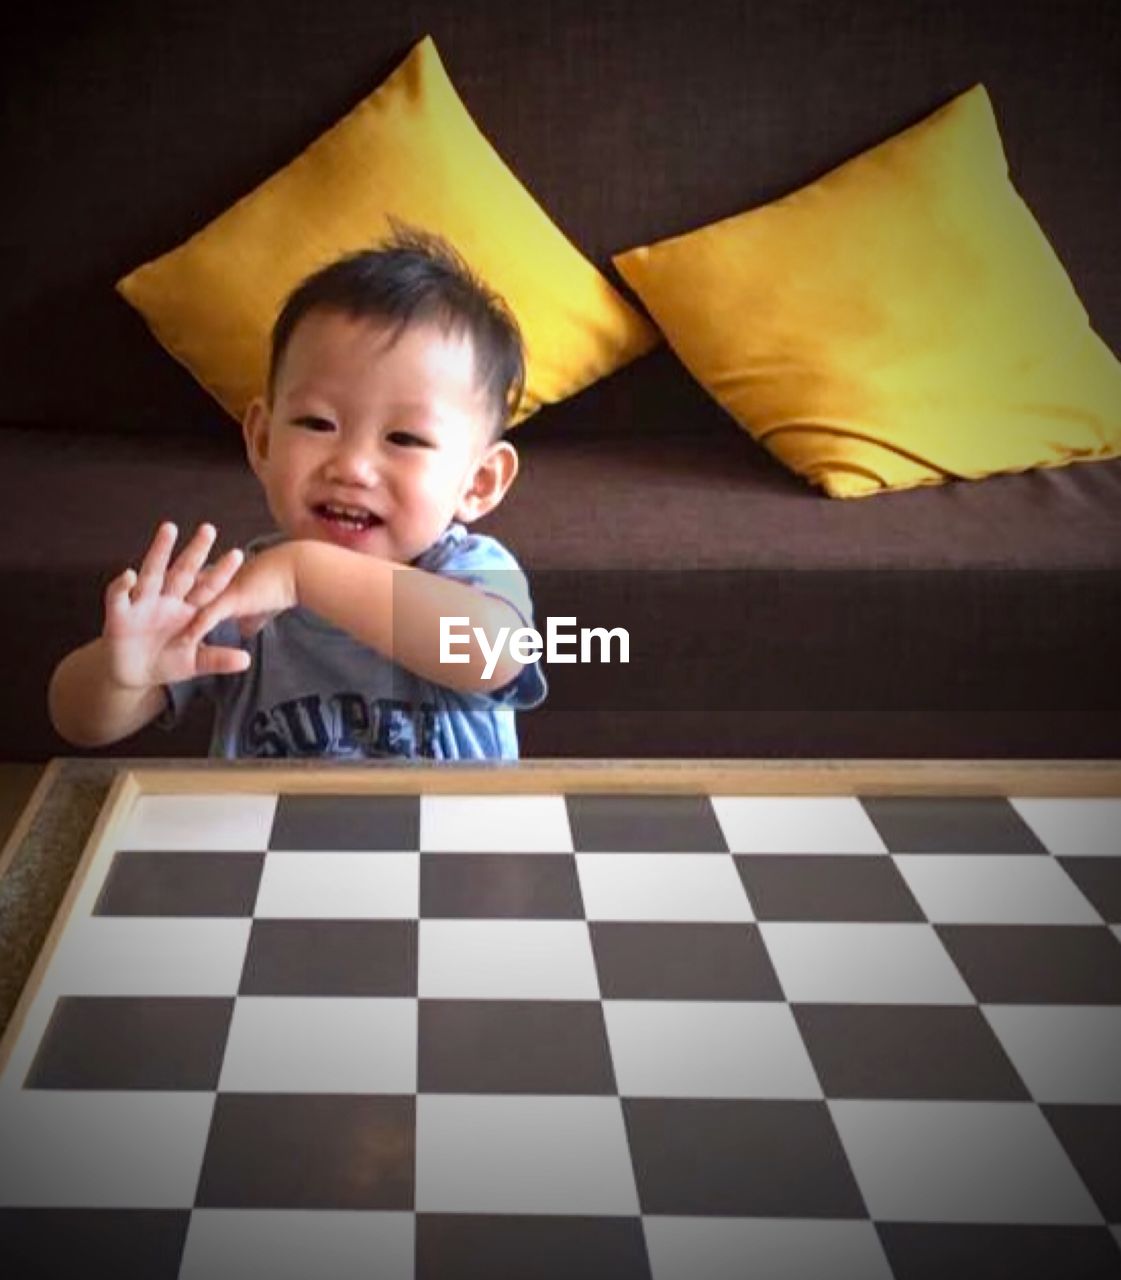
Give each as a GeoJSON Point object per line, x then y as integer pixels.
{"type": "Point", "coordinates": [114, 812]}
{"type": "Point", "coordinates": [23, 822]}
{"type": "Point", "coordinates": [715, 777]}
{"type": "Point", "coordinates": [1099, 778]}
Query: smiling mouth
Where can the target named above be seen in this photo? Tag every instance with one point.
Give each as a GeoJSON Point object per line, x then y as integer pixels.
{"type": "Point", "coordinates": [347, 517]}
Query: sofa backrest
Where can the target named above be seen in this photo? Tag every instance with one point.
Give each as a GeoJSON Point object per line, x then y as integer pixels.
{"type": "Point", "coordinates": [129, 125]}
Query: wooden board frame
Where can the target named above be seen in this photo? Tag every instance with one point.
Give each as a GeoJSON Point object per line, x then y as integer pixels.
{"type": "Point", "coordinates": [111, 817]}
{"type": "Point", "coordinates": [714, 777]}
{"type": "Point", "coordinates": [23, 822]}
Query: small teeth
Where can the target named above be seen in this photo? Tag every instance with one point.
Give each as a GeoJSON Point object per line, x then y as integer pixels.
{"type": "Point", "coordinates": [357, 514]}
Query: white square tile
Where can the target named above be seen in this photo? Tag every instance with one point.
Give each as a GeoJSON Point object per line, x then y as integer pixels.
{"type": "Point", "coordinates": [960, 1162]}
{"type": "Point", "coordinates": [247, 1244]}
{"type": "Point", "coordinates": [708, 1049]}
{"type": "Point", "coordinates": [1063, 1054]}
{"type": "Point", "coordinates": [661, 886]}
{"type": "Point", "coordinates": [995, 889]}
{"type": "Point", "coordinates": [778, 1249]}
{"type": "Point", "coordinates": [796, 824]}
{"type": "Point", "coordinates": [863, 963]}
{"type": "Point", "coordinates": [343, 886]}
{"type": "Point", "coordinates": [97, 1150]}
{"type": "Point", "coordinates": [494, 824]}
{"type": "Point", "coordinates": [507, 959]}
{"type": "Point", "coordinates": [198, 822]}
{"type": "Point", "coordinates": [321, 1044]}
{"type": "Point", "coordinates": [477, 1154]}
{"type": "Point", "coordinates": [149, 956]}
{"type": "Point", "coordinates": [1070, 825]}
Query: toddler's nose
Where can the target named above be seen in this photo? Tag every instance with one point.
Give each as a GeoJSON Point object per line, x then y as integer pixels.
{"type": "Point", "coordinates": [353, 465]}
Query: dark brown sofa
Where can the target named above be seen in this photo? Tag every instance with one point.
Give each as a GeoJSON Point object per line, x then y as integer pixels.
{"type": "Point", "coordinates": [977, 619]}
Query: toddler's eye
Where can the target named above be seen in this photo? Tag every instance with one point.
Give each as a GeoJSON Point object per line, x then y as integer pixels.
{"type": "Point", "coordinates": [407, 439]}
{"type": "Point", "coordinates": [313, 423]}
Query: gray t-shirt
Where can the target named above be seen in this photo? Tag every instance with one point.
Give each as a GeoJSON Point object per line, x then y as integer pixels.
{"type": "Point", "coordinates": [313, 690]}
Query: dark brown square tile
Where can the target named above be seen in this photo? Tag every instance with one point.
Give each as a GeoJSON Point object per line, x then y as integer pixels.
{"type": "Point", "coordinates": [346, 822]}
{"type": "Point", "coordinates": [133, 1042]}
{"type": "Point", "coordinates": [513, 1046]}
{"type": "Point", "coordinates": [972, 1251]}
{"type": "Point", "coordinates": [531, 1247]}
{"type": "Point", "coordinates": [92, 1244]}
{"type": "Point", "coordinates": [310, 1151]}
{"type": "Point", "coordinates": [640, 961]}
{"type": "Point", "coordinates": [906, 1051]}
{"type": "Point", "coordinates": [1100, 880]}
{"type": "Point", "coordinates": [950, 824]}
{"type": "Point", "coordinates": [1091, 1136]}
{"type": "Point", "coordinates": [331, 958]}
{"type": "Point", "coordinates": [747, 1158]}
{"type": "Point", "coordinates": [181, 884]}
{"type": "Point", "coordinates": [490, 886]}
{"type": "Point", "coordinates": [822, 887]}
{"type": "Point", "coordinates": [1036, 964]}
{"type": "Point", "coordinates": [644, 824]}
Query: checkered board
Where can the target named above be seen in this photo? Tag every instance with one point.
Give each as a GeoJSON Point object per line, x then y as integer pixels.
{"type": "Point", "coordinates": [575, 1036]}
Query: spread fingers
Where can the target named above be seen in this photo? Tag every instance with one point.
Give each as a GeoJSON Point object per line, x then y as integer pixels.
{"type": "Point", "coordinates": [117, 599]}
{"type": "Point", "coordinates": [218, 661]}
{"type": "Point", "coordinates": [150, 581]}
{"type": "Point", "coordinates": [183, 573]}
{"type": "Point", "coordinates": [211, 582]}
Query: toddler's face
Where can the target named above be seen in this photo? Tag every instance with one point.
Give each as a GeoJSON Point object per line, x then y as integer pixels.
{"type": "Point", "coordinates": [374, 441]}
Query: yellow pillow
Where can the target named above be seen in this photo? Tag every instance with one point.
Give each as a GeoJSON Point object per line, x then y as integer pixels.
{"type": "Point", "coordinates": [899, 322]}
{"type": "Point", "coordinates": [409, 151]}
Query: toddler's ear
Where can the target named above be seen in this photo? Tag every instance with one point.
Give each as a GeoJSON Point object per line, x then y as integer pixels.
{"type": "Point", "coordinates": [494, 474]}
{"type": "Point", "coordinates": [255, 430]}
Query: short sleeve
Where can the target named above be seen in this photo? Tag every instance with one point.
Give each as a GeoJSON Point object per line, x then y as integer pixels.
{"type": "Point", "coordinates": [178, 697]}
{"type": "Point", "coordinates": [525, 691]}
{"type": "Point", "coordinates": [481, 562]}
{"type": "Point", "coordinates": [484, 563]}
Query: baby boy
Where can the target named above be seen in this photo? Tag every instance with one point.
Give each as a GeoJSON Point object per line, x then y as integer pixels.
{"type": "Point", "coordinates": [379, 439]}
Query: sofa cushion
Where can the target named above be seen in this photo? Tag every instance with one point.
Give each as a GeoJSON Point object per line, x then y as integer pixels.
{"type": "Point", "coordinates": [408, 153]}
{"type": "Point", "coordinates": [963, 620]}
{"type": "Point", "coordinates": [901, 321]}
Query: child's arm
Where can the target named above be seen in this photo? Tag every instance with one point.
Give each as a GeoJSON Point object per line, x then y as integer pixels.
{"type": "Point", "coordinates": [389, 607]}
{"type": "Point", "coordinates": [113, 686]}
{"type": "Point", "coordinates": [88, 708]}
{"type": "Point", "coordinates": [397, 610]}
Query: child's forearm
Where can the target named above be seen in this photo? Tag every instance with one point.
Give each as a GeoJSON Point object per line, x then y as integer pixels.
{"type": "Point", "coordinates": [397, 610]}
{"type": "Point", "coordinates": [88, 709]}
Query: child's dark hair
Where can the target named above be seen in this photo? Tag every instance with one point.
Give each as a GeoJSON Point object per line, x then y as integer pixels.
{"type": "Point", "coordinates": [415, 276]}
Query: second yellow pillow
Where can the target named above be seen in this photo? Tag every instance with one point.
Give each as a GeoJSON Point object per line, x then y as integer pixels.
{"type": "Point", "coordinates": [899, 322]}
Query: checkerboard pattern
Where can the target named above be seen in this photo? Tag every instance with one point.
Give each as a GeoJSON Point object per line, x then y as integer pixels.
{"type": "Point", "coordinates": [594, 1036]}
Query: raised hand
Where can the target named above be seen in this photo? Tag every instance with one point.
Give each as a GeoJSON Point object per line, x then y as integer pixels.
{"type": "Point", "coordinates": [147, 614]}
{"type": "Point", "coordinates": [264, 587]}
